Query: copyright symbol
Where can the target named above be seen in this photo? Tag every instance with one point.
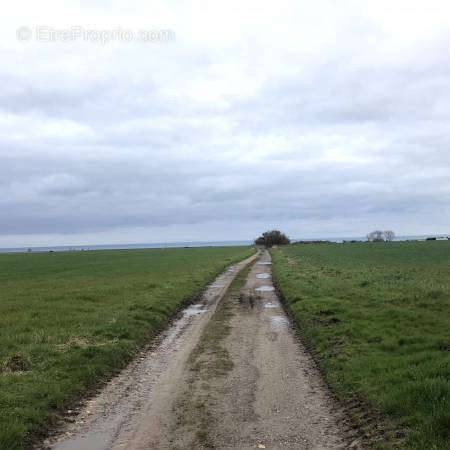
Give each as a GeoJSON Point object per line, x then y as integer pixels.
{"type": "Point", "coordinates": [23, 34]}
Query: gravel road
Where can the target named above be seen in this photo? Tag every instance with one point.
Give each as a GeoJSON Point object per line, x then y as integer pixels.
{"type": "Point", "coordinates": [253, 386]}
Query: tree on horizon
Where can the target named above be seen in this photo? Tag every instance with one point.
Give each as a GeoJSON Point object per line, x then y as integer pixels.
{"type": "Point", "coordinates": [271, 238]}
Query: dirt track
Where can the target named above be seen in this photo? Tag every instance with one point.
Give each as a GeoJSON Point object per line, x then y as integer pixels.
{"type": "Point", "coordinates": [229, 373]}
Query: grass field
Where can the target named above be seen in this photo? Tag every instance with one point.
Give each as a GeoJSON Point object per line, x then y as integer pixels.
{"type": "Point", "coordinates": [69, 320]}
{"type": "Point", "coordinates": [378, 316]}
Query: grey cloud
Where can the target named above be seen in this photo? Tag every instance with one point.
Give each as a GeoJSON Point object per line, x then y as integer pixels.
{"type": "Point", "coordinates": [350, 136]}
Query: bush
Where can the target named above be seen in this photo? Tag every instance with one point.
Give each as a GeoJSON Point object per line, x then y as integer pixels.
{"type": "Point", "coordinates": [271, 238]}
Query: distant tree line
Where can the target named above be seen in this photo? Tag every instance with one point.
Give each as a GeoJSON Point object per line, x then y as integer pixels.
{"type": "Point", "coordinates": [271, 238]}
{"type": "Point", "coordinates": [381, 236]}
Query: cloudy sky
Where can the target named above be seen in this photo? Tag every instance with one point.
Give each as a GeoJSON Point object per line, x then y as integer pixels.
{"type": "Point", "coordinates": [319, 118]}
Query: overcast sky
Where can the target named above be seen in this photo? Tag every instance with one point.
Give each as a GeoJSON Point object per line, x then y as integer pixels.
{"type": "Point", "coordinates": [320, 118]}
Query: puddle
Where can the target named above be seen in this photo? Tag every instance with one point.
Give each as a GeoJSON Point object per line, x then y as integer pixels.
{"type": "Point", "coordinates": [93, 441]}
{"type": "Point", "coordinates": [278, 321]}
{"type": "Point", "coordinates": [271, 305]}
{"type": "Point", "coordinates": [194, 310]}
{"type": "Point", "coordinates": [263, 275]}
{"type": "Point", "coordinates": [264, 263]}
{"type": "Point", "coordinates": [265, 289]}
{"type": "Point", "coordinates": [217, 285]}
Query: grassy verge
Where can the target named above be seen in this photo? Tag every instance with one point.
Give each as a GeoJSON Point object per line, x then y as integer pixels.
{"type": "Point", "coordinates": [70, 320]}
{"type": "Point", "coordinates": [377, 317]}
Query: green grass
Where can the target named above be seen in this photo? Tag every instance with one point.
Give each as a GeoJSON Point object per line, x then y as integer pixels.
{"type": "Point", "coordinates": [70, 320]}
{"type": "Point", "coordinates": [378, 316]}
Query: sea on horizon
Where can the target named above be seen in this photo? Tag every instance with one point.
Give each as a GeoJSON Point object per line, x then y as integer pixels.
{"type": "Point", "coordinates": [68, 248]}
{"type": "Point", "coordinates": [65, 248]}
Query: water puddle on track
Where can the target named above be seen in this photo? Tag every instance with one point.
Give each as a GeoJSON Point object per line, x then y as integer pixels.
{"type": "Point", "coordinates": [264, 263]}
{"type": "Point", "coordinates": [278, 322]}
{"type": "Point", "coordinates": [265, 289]}
{"type": "Point", "coordinates": [194, 310]}
{"type": "Point", "coordinates": [263, 276]}
{"type": "Point", "coordinates": [271, 305]}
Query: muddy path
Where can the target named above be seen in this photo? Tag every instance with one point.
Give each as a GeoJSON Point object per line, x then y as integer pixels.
{"type": "Point", "coordinates": [230, 373]}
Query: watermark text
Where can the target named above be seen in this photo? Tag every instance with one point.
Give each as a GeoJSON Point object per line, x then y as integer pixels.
{"type": "Point", "coordinates": [47, 34]}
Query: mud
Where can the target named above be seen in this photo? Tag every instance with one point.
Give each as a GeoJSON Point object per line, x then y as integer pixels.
{"type": "Point", "coordinates": [268, 394]}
